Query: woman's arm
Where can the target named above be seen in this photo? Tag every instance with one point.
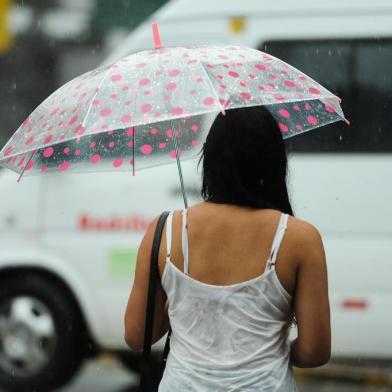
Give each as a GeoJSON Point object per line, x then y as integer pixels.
{"type": "Point", "coordinates": [313, 345]}
{"type": "Point", "coordinates": [135, 315]}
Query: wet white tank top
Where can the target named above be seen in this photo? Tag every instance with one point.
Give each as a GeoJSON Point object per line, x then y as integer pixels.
{"type": "Point", "coordinates": [227, 338]}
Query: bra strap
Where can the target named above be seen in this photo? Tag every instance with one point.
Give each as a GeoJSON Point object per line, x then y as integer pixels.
{"type": "Point", "coordinates": [169, 235]}
{"type": "Point", "coordinates": [280, 231]}
{"type": "Point", "coordinates": [184, 241]}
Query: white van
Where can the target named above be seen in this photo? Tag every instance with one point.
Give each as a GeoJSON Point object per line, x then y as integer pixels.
{"type": "Point", "coordinates": [68, 243]}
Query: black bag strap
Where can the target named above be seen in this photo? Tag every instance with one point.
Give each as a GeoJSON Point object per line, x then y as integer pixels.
{"type": "Point", "coordinates": [152, 285]}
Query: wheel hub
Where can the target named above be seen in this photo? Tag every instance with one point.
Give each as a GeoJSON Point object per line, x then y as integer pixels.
{"type": "Point", "coordinates": [27, 336]}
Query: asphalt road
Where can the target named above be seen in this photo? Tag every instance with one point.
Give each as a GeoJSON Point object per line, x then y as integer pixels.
{"type": "Point", "coordinates": [107, 375]}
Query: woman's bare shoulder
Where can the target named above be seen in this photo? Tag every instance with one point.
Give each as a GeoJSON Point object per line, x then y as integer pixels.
{"type": "Point", "coordinates": [304, 236]}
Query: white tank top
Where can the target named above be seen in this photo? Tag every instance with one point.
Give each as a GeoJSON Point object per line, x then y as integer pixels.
{"type": "Point", "coordinates": [227, 338]}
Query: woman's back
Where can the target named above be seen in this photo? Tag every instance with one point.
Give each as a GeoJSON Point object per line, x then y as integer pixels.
{"type": "Point", "coordinates": [231, 244]}
{"type": "Point", "coordinates": [230, 315]}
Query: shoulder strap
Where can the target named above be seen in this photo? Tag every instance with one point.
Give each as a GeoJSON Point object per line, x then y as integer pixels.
{"type": "Point", "coordinates": [169, 235]}
{"type": "Point", "coordinates": [280, 231]}
{"type": "Point", "coordinates": [154, 275]}
{"type": "Point", "coordinates": [184, 241]}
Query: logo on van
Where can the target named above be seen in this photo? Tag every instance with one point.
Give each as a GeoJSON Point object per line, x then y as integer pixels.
{"type": "Point", "coordinates": [131, 223]}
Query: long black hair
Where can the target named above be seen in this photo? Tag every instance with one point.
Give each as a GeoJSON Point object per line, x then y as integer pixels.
{"type": "Point", "coordinates": [245, 161]}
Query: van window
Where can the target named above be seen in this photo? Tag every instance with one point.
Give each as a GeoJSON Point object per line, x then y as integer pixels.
{"type": "Point", "coordinates": [358, 72]}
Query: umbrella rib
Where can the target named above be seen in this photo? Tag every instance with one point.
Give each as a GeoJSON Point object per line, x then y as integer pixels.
{"type": "Point", "coordinates": [95, 96]}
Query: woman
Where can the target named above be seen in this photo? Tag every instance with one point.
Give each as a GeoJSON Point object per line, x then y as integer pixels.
{"type": "Point", "coordinates": [235, 269]}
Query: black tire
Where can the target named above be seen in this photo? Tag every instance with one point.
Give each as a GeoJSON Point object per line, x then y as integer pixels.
{"type": "Point", "coordinates": [66, 348]}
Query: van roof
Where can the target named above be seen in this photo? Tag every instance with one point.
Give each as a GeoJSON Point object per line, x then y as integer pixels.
{"type": "Point", "coordinates": [189, 8]}
{"type": "Point", "coordinates": [175, 13]}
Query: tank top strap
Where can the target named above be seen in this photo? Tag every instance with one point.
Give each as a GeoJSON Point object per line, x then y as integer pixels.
{"type": "Point", "coordinates": [169, 224]}
{"type": "Point", "coordinates": [280, 231]}
{"type": "Point", "coordinates": [184, 241]}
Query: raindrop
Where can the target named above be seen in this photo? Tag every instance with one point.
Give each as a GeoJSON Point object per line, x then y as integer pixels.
{"type": "Point", "coordinates": [340, 137]}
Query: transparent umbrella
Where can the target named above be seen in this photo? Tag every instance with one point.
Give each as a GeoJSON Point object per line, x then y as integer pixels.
{"type": "Point", "coordinates": [156, 106]}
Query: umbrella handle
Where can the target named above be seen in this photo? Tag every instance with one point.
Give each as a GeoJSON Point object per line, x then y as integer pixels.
{"type": "Point", "coordinates": [157, 38]}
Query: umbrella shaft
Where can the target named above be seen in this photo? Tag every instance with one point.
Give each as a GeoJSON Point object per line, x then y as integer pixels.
{"type": "Point", "coordinates": [180, 170]}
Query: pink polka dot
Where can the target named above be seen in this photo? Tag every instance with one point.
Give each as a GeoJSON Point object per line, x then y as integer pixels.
{"type": "Point", "coordinates": [64, 166]}
{"type": "Point", "coordinates": [176, 111]}
{"type": "Point", "coordinates": [95, 158]}
{"type": "Point", "coordinates": [279, 97]}
{"type": "Point", "coordinates": [141, 65]}
{"type": "Point", "coordinates": [126, 118]}
{"type": "Point", "coordinates": [284, 113]}
{"type": "Point", "coordinates": [153, 131]}
{"type": "Point", "coordinates": [72, 120]}
{"type": "Point", "coordinates": [144, 82]}
{"type": "Point", "coordinates": [146, 149]}
{"type": "Point", "coordinates": [93, 144]}
{"type": "Point", "coordinates": [114, 96]}
{"type": "Point", "coordinates": [116, 77]}
{"type": "Point", "coordinates": [77, 152]}
{"type": "Point", "coordinates": [209, 101]}
{"type": "Point", "coordinates": [21, 161]}
{"type": "Point", "coordinates": [298, 127]}
{"type": "Point", "coordinates": [195, 142]}
{"type": "Point", "coordinates": [66, 150]}
{"type": "Point", "coordinates": [283, 127]}
{"type": "Point", "coordinates": [106, 112]}
{"type": "Point", "coordinates": [192, 92]}
{"type": "Point", "coordinates": [246, 96]}
{"type": "Point", "coordinates": [244, 83]}
{"type": "Point", "coordinates": [173, 154]}
{"type": "Point", "coordinates": [130, 144]}
{"type": "Point", "coordinates": [330, 109]}
{"type": "Point", "coordinates": [29, 165]}
{"type": "Point", "coordinates": [261, 67]}
{"type": "Point", "coordinates": [127, 103]}
{"type": "Point", "coordinates": [117, 162]}
{"type": "Point", "coordinates": [145, 108]}
{"type": "Point", "coordinates": [174, 72]}
{"type": "Point", "coordinates": [314, 90]}
{"type": "Point", "coordinates": [162, 145]}
{"type": "Point", "coordinates": [111, 144]}
{"type": "Point", "coordinates": [194, 127]}
{"type": "Point", "coordinates": [297, 108]}
{"type": "Point", "coordinates": [171, 86]}
{"type": "Point", "coordinates": [308, 106]}
{"type": "Point", "coordinates": [234, 74]}
{"type": "Point", "coordinates": [289, 83]}
{"type": "Point", "coordinates": [29, 140]}
{"type": "Point", "coordinates": [312, 120]}
{"type": "Point", "coordinates": [110, 133]}
{"type": "Point", "coordinates": [80, 129]}
{"type": "Point", "coordinates": [48, 139]}
{"type": "Point", "coordinates": [169, 133]}
{"type": "Point", "coordinates": [44, 169]}
{"type": "Point", "coordinates": [130, 131]}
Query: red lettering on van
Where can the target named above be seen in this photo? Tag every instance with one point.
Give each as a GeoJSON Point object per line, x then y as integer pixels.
{"type": "Point", "coordinates": [130, 223]}
{"type": "Point", "coordinates": [355, 304]}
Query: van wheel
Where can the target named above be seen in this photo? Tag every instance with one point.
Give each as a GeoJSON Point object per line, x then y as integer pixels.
{"type": "Point", "coordinates": [40, 334]}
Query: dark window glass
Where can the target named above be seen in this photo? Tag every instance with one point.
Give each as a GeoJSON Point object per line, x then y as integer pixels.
{"type": "Point", "coordinates": [359, 72]}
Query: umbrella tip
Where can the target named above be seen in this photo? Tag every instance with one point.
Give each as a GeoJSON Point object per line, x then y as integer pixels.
{"type": "Point", "coordinates": [347, 121]}
{"type": "Point", "coordinates": [157, 38]}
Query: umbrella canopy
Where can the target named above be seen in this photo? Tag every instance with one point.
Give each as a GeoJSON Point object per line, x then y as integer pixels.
{"type": "Point", "coordinates": [151, 106]}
